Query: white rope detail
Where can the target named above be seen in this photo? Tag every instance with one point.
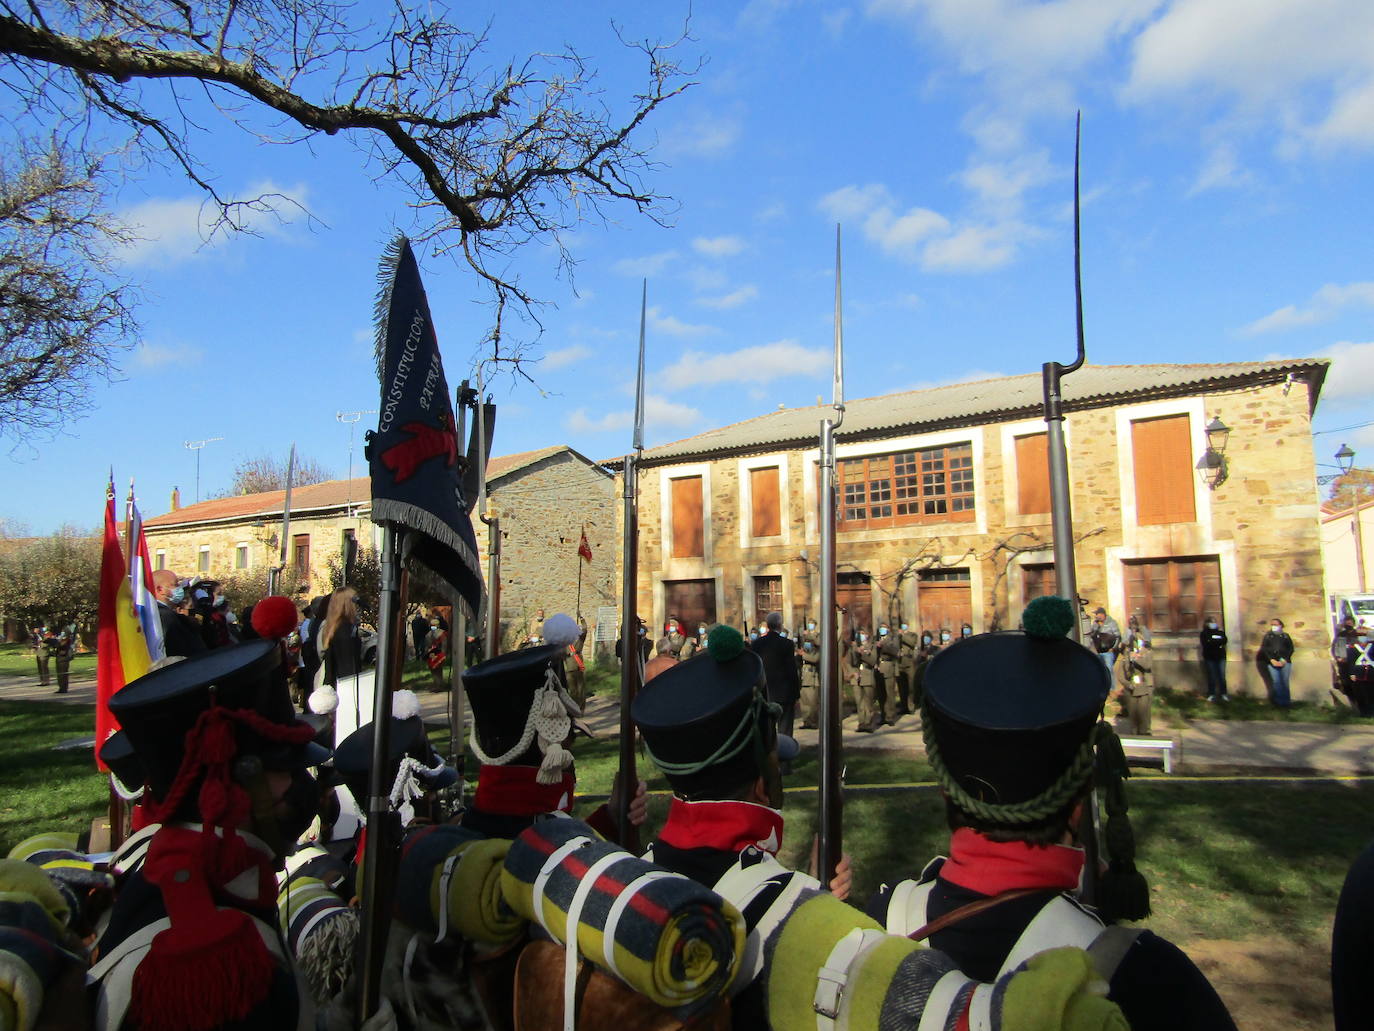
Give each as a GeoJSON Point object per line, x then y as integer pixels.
{"type": "Point", "coordinates": [408, 786]}
{"type": "Point", "coordinates": [123, 792]}
{"type": "Point", "coordinates": [549, 721]}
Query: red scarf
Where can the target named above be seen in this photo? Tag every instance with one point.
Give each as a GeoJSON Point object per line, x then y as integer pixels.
{"type": "Point", "coordinates": [993, 867]}
{"type": "Point", "coordinates": [724, 826]}
{"type": "Point", "coordinates": [514, 791]}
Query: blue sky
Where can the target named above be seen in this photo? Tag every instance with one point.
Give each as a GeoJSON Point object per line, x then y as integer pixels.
{"type": "Point", "coordinates": [1227, 157]}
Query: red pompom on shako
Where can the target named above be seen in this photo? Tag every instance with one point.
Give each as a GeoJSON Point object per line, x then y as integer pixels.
{"type": "Point", "coordinates": [275, 617]}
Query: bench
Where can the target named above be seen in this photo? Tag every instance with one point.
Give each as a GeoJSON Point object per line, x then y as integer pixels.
{"type": "Point", "coordinates": [1163, 745]}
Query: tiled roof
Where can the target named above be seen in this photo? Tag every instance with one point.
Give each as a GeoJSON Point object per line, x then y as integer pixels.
{"type": "Point", "coordinates": [962, 404]}
{"type": "Point", "coordinates": [322, 496]}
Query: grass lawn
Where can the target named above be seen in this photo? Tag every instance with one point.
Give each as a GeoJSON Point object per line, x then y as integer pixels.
{"type": "Point", "coordinates": [1176, 706]}
{"type": "Point", "coordinates": [18, 659]}
{"type": "Point", "coordinates": [1229, 861]}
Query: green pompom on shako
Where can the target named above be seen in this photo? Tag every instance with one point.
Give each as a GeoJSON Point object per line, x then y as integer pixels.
{"type": "Point", "coordinates": [724, 643]}
{"type": "Point", "coordinates": [1048, 617]}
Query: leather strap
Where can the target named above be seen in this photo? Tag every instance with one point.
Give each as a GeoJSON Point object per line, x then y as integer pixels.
{"type": "Point", "coordinates": [971, 909]}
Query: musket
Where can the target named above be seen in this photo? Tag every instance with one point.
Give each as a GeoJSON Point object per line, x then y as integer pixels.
{"type": "Point", "coordinates": [492, 640]}
{"type": "Point", "coordinates": [1061, 508]}
{"type": "Point", "coordinates": [459, 628]}
{"type": "Point", "coordinates": [630, 670]}
{"type": "Point", "coordinates": [274, 575]}
{"type": "Point", "coordinates": [831, 799]}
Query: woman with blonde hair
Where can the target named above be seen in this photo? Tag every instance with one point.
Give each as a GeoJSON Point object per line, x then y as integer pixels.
{"type": "Point", "coordinates": [339, 644]}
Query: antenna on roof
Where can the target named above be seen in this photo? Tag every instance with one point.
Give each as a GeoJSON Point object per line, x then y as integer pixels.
{"type": "Point", "coordinates": [351, 418]}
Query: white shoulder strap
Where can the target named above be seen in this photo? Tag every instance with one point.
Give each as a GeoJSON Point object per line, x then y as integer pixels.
{"type": "Point", "coordinates": [906, 909]}
{"type": "Point", "coordinates": [1061, 921]}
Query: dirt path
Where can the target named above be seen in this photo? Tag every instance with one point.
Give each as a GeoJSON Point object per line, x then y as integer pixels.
{"type": "Point", "coordinates": [1268, 985]}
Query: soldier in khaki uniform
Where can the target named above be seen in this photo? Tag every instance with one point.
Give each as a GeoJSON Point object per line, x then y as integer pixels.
{"type": "Point", "coordinates": [889, 651]}
{"type": "Point", "coordinates": [909, 642]}
{"type": "Point", "coordinates": [864, 658]}
{"type": "Point", "coordinates": [675, 638]}
{"type": "Point", "coordinates": [693, 644]}
{"type": "Point", "coordinates": [810, 655]}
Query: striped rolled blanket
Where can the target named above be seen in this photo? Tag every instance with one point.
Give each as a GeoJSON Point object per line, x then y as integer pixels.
{"type": "Point", "coordinates": [33, 921]}
{"type": "Point", "coordinates": [828, 965]}
{"type": "Point", "coordinates": [449, 884]}
{"type": "Point", "coordinates": [672, 940]}
{"type": "Point", "coordinates": [321, 932]}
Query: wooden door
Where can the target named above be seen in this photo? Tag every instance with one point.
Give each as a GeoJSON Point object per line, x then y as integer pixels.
{"type": "Point", "coordinates": [945, 600]}
{"type": "Point", "coordinates": [693, 602]}
{"type": "Point", "coordinates": [854, 594]}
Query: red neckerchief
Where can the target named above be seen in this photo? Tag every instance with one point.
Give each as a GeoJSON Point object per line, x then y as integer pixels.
{"type": "Point", "coordinates": [993, 867]}
{"type": "Point", "coordinates": [725, 826]}
{"type": "Point", "coordinates": [514, 791]}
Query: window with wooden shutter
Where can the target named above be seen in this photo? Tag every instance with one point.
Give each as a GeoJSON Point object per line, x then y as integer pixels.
{"type": "Point", "coordinates": [300, 544]}
{"type": "Point", "coordinates": [767, 596]}
{"type": "Point", "coordinates": [1038, 580]}
{"type": "Point", "coordinates": [933, 485]}
{"type": "Point", "coordinates": [1033, 474]}
{"type": "Point", "coordinates": [1163, 470]}
{"type": "Point", "coordinates": [764, 499]}
{"type": "Point", "coordinates": [687, 518]}
{"type": "Point", "coordinates": [1174, 595]}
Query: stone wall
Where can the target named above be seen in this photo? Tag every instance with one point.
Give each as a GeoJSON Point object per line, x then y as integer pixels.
{"type": "Point", "coordinates": [1260, 524]}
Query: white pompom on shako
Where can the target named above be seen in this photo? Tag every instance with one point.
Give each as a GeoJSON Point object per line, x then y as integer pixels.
{"type": "Point", "coordinates": [324, 700]}
{"type": "Point", "coordinates": [404, 705]}
{"type": "Point", "coordinates": [561, 628]}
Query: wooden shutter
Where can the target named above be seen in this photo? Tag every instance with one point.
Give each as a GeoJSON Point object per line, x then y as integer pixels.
{"type": "Point", "coordinates": [1033, 474]}
{"type": "Point", "coordinates": [1163, 470]}
{"type": "Point", "coordinates": [763, 495]}
{"type": "Point", "coordinates": [687, 518]}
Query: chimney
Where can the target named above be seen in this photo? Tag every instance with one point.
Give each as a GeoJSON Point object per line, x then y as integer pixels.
{"type": "Point", "coordinates": [176, 498]}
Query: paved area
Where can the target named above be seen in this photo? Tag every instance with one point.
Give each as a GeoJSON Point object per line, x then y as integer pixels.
{"type": "Point", "coordinates": [1203, 746]}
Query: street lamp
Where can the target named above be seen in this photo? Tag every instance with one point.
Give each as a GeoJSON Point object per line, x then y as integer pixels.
{"type": "Point", "coordinates": [1211, 467]}
{"type": "Point", "coordinates": [1345, 461]}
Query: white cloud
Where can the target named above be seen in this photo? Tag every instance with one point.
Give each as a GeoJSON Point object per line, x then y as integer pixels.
{"type": "Point", "coordinates": [1325, 304]}
{"type": "Point", "coordinates": [1221, 170]}
{"type": "Point", "coordinates": [925, 236]}
{"type": "Point", "coordinates": [761, 363]}
{"type": "Point", "coordinates": [772, 212]}
{"type": "Point", "coordinates": [1351, 372]}
{"type": "Point", "coordinates": [674, 326]}
{"type": "Point", "coordinates": [1000, 186]}
{"type": "Point", "coordinates": [1306, 68]}
{"type": "Point", "coordinates": [171, 230]}
{"type": "Point", "coordinates": [565, 356]}
{"type": "Point", "coordinates": [659, 413]}
{"type": "Point", "coordinates": [705, 135]}
{"type": "Point", "coordinates": [733, 299]}
{"type": "Point", "coordinates": [705, 278]}
{"type": "Point", "coordinates": [835, 21]}
{"type": "Point", "coordinates": [718, 246]}
{"type": "Point", "coordinates": [647, 266]}
{"type": "Point", "coordinates": [160, 356]}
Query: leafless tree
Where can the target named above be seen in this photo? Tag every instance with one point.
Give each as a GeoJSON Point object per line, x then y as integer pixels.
{"type": "Point", "coordinates": [268, 472]}
{"type": "Point", "coordinates": [493, 155]}
{"type": "Point", "coordinates": [65, 311]}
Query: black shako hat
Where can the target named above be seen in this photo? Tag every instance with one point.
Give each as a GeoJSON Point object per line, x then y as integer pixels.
{"type": "Point", "coordinates": [1011, 712]}
{"type": "Point", "coordinates": [353, 755]}
{"type": "Point", "coordinates": [707, 722]}
{"type": "Point", "coordinates": [502, 692]}
{"type": "Point", "coordinates": [157, 710]}
{"type": "Point", "coordinates": [118, 754]}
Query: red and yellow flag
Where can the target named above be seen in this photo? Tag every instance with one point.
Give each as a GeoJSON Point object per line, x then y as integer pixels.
{"type": "Point", "coordinates": [121, 651]}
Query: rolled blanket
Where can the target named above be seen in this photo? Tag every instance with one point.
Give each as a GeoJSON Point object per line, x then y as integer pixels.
{"type": "Point", "coordinates": [321, 932]}
{"type": "Point", "coordinates": [32, 923]}
{"type": "Point", "coordinates": [667, 937]}
{"type": "Point", "coordinates": [827, 960]}
{"type": "Point", "coordinates": [39, 848]}
{"type": "Point", "coordinates": [449, 885]}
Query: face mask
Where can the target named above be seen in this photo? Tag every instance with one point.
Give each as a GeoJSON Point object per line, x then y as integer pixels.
{"type": "Point", "coordinates": [178, 595]}
{"type": "Point", "coordinates": [863, 638]}
{"type": "Point", "coordinates": [944, 637]}
{"type": "Point", "coordinates": [811, 624]}
{"type": "Point", "coordinates": [642, 631]}
{"type": "Point", "coordinates": [1211, 624]}
{"type": "Point", "coordinates": [903, 626]}
{"type": "Point", "coordinates": [882, 631]}
{"type": "Point", "coordinates": [672, 628]}
{"type": "Point", "coordinates": [701, 631]}
{"type": "Point", "coordinates": [434, 623]}
{"type": "Point", "coordinates": [926, 639]}
{"type": "Point", "coordinates": [762, 630]}
{"type": "Point", "coordinates": [753, 635]}
{"type": "Point", "coordinates": [1275, 627]}
{"type": "Point", "coordinates": [965, 632]}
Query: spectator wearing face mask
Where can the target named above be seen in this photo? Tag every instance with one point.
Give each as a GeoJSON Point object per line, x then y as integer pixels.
{"type": "Point", "coordinates": [693, 644]}
{"type": "Point", "coordinates": [1277, 652]}
{"type": "Point", "coordinates": [1359, 660]}
{"type": "Point", "coordinates": [180, 634]}
{"type": "Point", "coordinates": [1213, 642]}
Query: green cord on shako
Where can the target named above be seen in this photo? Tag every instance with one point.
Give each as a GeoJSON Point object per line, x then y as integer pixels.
{"type": "Point", "coordinates": [1013, 732]}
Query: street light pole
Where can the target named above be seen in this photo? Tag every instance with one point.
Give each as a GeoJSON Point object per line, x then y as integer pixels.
{"type": "Point", "coordinates": [351, 419]}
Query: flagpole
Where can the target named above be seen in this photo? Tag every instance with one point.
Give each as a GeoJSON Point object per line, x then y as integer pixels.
{"type": "Point", "coordinates": [831, 800]}
{"type": "Point", "coordinates": [492, 639]}
{"type": "Point", "coordinates": [459, 640]}
{"type": "Point", "coordinates": [579, 571]}
{"type": "Point", "coordinates": [631, 672]}
{"type": "Point", "coordinates": [274, 575]}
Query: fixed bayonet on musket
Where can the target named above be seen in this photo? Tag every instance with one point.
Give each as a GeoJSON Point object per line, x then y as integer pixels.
{"type": "Point", "coordinates": [631, 670]}
{"type": "Point", "coordinates": [274, 576]}
{"type": "Point", "coordinates": [831, 802]}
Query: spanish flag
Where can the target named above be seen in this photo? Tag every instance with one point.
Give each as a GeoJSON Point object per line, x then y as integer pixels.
{"type": "Point", "coordinates": [121, 651]}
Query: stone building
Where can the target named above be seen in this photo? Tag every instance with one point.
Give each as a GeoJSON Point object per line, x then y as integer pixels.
{"type": "Point", "coordinates": [544, 500]}
{"type": "Point", "coordinates": [944, 510]}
